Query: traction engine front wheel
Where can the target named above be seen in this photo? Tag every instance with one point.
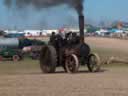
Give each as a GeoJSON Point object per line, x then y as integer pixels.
{"type": "Point", "coordinates": [93, 63]}
{"type": "Point", "coordinates": [72, 63]}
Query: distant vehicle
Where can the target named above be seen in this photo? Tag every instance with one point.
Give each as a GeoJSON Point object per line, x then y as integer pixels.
{"type": "Point", "coordinates": [14, 35]}
{"type": "Point", "coordinates": [29, 33]}
{"type": "Point", "coordinates": [9, 53]}
{"type": "Point", "coordinates": [11, 48]}
{"type": "Point", "coordinates": [34, 49]}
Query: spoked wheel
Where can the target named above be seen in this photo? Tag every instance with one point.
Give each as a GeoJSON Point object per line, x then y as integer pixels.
{"type": "Point", "coordinates": [48, 59]}
{"type": "Point", "coordinates": [16, 58]}
{"type": "Point", "coordinates": [72, 63]}
{"type": "Point", "coordinates": [93, 63]}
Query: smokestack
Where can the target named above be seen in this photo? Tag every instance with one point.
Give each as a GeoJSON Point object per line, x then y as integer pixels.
{"type": "Point", "coordinates": [81, 28]}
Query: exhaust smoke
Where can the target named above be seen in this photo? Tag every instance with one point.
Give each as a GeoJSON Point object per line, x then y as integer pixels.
{"type": "Point", "coordinates": [39, 4]}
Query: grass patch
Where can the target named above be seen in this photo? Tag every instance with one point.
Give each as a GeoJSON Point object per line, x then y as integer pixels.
{"type": "Point", "coordinates": [27, 65]}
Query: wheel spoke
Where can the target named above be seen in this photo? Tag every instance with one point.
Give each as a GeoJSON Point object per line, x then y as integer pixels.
{"type": "Point", "coordinates": [93, 63]}
{"type": "Point", "coordinates": [72, 63]}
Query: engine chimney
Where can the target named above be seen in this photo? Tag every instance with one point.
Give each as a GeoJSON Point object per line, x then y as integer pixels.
{"type": "Point", "coordinates": [81, 28]}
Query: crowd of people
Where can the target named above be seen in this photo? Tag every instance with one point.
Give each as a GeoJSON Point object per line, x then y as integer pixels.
{"type": "Point", "coordinates": [64, 39]}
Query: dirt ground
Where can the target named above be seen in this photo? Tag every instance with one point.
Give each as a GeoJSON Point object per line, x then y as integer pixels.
{"type": "Point", "coordinates": [108, 47]}
{"type": "Point", "coordinates": [108, 43]}
{"type": "Point", "coordinates": [111, 81]}
{"type": "Point", "coordinates": [107, 83]}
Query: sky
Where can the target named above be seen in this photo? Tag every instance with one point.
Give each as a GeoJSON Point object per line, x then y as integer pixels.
{"type": "Point", "coordinates": [95, 11]}
{"type": "Point", "coordinates": [107, 9]}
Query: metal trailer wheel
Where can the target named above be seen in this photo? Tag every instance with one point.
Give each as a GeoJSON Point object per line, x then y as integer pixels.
{"type": "Point", "coordinates": [72, 63]}
{"type": "Point", "coordinates": [93, 63]}
{"type": "Point", "coordinates": [48, 59]}
{"type": "Point", "coordinates": [16, 58]}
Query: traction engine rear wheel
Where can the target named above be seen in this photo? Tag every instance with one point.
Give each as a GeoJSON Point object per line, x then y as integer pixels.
{"type": "Point", "coordinates": [48, 59]}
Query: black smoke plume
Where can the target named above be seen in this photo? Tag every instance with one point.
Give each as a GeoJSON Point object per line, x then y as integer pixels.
{"type": "Point", "coordinates": [39, 4]}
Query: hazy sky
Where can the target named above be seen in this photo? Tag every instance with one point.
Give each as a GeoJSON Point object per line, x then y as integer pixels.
{"type": "Point", "coordinates": [95, 11]}
{"type": "Point", "coordinates": [107, 9]}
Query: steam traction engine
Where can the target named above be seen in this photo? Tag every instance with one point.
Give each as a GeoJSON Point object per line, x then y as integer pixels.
{"type": "Point", "coordinates": [69, 53]}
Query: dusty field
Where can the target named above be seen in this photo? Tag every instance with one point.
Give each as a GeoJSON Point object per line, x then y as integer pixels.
{"type": "Point", "coordinates": [107, 47]}
{"type": "Point", "coordinates": [27, 80]}
{"type": "Point", "coordinates": [108, 43]}
{"type": "Point", "coordinates": [112, 82]}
